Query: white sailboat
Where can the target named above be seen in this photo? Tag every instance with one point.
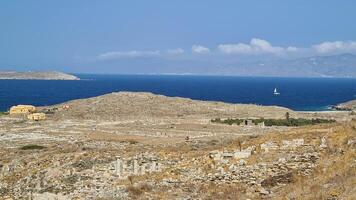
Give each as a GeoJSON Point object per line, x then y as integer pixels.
{"type": "Point", "coordinates": [275, 92]}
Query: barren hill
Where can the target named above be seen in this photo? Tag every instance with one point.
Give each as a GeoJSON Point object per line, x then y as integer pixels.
{"type": "Point", "coordinates": [140, 105]}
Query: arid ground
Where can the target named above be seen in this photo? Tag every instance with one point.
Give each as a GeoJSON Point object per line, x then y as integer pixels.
{"type": "Point", "coordinates": [145, 146]}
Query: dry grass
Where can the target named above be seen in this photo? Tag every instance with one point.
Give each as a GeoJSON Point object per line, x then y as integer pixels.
{"type": "Point", "coordinates": [110, 137]}
{"type": "Point", "coordinates": [136, 191]}
{"type": "Point", "coordinates": [212, 192]}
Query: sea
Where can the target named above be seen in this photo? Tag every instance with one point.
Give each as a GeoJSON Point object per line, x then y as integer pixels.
{"type": "Point", "coordinates": [301, 94]}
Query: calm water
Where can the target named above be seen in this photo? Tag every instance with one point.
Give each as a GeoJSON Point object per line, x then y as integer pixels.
{"type": "Point", "coordinates": [296, 93]}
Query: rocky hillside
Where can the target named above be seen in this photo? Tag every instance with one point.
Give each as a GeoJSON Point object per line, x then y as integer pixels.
{"type": "Point", "coordinates": [52, 75]}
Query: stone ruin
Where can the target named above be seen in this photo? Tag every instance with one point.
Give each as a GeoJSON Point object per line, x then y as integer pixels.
{"type": "Point", "coordinates": [249, 122]}
{"type": "Point", "coordinates": [258, 175]}
{"type": "Point", "coordinates": [323, 143]}
{"type": "Point", "coordinates": [22, 109]}
{"type": "Point", "coordinates": [286, 145]}
{"type": "Point", "coordinates": [225, 156]}
{"type": "Point", "coordinates": [137, 165]}
{"type": "Point", "coordinates": [292, 144]}
{"type": "Point", "coordinates": [267, 146]}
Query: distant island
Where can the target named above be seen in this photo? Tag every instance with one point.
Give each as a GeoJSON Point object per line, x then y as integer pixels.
{"type": "Point", "coordinates": [327, 66]}
{"type": "Point", "coordinates": [50, 75]}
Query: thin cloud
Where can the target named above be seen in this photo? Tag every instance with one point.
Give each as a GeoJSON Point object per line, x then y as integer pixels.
{"type": "Point", "coordinates": [200, 49]}
{"type": "Point", "coordinates": [127, 54]}
{"type": "Point", "coordinates": [175, 51]}
{"type": "Point", "coordinates": [336, 46]}
{"type": "Point", "coordinates": [256, 46]}
{"type": "Point", "coordinates": [292, 49]}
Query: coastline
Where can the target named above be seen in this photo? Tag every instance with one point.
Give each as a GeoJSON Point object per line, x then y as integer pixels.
{"type": "Point", "coordinates": [296, 94]}
{"type": "Point", "coordinates": [40, 75]}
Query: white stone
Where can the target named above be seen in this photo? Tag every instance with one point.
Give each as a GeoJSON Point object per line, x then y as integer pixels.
{"type": "Point", "coordinates": [323, 143]}
{"type": "Point", "coordinates": [299, 142]}
{"type": "Point", "coordinates": [242, 154]}
{"type": "Point", "coordinates": [135, 167]}
{"type": "Point", "coordinates": [153, 166]}
{"type": "Point", "coordinates": [224, 161]}
{"type": "Point", "coordinates": [5, 170]}
{"type": "Point", "coordinates": [242, 162]}
{"type": "Point", "coordinates": [232, 168]}
{"type": "Point", "coordinates": [227, 155]}
{"type": "Point", "coordinates": [119, 167]}
{"type": "Point", "coordinates": [287, 144]}
{"type": "Point", "coordinates": [282, 160]}
{"type": "Point", "coordinates": [221, 170]}
{"type": "Point", "coordinates": [215, 155]}
{"type": "Point", "coordinates": [267, 146]}
{"type": "Point", "coordinates": [246, 153]}
{"type": "Point", "coordinates": [143, 169]}
{"type": "Point", "coordinates": [49, 196]}
{"type": "Point", "coordinates": [351, 142]}
{"type": "Point", "coordinates": [264, 191]}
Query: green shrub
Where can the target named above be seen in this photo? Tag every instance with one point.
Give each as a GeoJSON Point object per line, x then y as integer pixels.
{"type": "Point", "coordinates": [228, 121]}
{"type": "Point", "coordinates": [3, 113]}
{"type": "Point", "coordinates": [276, 122]}
{"type": "Point", "coordinates": [32, 147]}
{"type": "Point", "coordinates": [293, 122]}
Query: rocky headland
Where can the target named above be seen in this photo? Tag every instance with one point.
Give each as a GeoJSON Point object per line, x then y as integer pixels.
{"type": "Point", "coordinates": [350, 105]}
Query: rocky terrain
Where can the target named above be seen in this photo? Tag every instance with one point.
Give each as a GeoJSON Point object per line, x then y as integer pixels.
{"type": "Point", "coordinates": [145, 146]}
{"type": "Point", "coordinates": [51, 75]}
{"type": "Point", "coordinates": [350, 105]}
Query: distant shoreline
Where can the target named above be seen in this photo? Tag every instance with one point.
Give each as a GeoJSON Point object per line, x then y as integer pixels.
{"type": "Point", "coordinates": [296, 94]}
{"type": "Point", "coordinates": [209, 75]}
{"type": "Point", "coordinates": [51, 75]}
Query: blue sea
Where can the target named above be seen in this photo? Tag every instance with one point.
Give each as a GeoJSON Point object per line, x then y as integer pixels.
{"type": "Point", "coordinates": [303, 94]}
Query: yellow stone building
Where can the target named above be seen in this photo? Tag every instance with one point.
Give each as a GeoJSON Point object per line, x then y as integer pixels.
{"type": "Point", "coordinates": [36, 116]}
{"type": "Point", "coordinates": [22, 109]}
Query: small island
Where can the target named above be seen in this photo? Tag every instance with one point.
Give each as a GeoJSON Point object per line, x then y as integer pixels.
{"type": "Point", "coordinates": [50, 75]}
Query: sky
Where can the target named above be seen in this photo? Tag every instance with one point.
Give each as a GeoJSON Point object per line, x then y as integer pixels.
{"type": "Point", "coordinates": [160, 36]}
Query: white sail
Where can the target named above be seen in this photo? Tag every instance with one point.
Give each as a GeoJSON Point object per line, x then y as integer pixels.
{"type": "Point", "coordinates": [275, 92]}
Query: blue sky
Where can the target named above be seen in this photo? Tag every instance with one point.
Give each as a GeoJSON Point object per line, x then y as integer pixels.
{"type": "Point", "coordinates": [114, 36]}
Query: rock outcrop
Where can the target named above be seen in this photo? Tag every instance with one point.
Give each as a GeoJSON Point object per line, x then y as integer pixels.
{"type": "Point", "coordinates": [350, 105]}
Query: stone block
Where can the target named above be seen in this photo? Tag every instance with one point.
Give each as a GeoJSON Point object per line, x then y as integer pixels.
{"type": "Point", "coordinates": [268, 146]}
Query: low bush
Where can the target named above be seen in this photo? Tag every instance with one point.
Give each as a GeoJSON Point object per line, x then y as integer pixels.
{"type": "Point", "coordinates": [139, 189]}
{"type": "Point", "coordinates": [276, 122]}
{"type": "Point", "coordinates": [3, 113]}
{"type": "Point", "coordinates": [228, 121]}
{"type": "Point", "coordinates": [32, 147]}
